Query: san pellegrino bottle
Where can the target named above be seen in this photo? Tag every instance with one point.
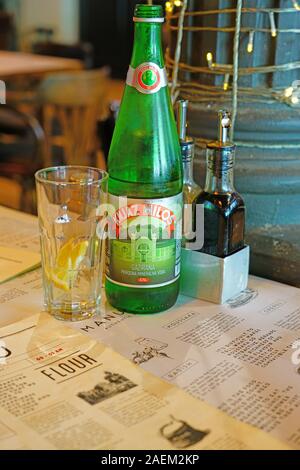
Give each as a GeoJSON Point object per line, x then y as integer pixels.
{"type": "Point", "coordinates": [144, 164]}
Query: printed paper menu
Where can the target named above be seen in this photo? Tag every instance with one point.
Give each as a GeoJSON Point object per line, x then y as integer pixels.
{"type": "Point", "coordinates": [61, 390]}
{"type": "Point", "coordinates": [241, 357]}
{"type": "Point", "coordinates": [19, 230]}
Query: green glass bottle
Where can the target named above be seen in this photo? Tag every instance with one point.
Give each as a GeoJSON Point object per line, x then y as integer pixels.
{"type": "Point", "coordinates": [144, 164]}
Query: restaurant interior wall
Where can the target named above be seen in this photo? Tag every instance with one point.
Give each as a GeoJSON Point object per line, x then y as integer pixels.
{"type": "Point", "coordinates": [60, 15]}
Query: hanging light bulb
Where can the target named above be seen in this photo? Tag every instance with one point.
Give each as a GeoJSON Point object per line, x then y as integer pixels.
{"type": "Point", "coordinates": [296, 5]}
{"type": "Point", "coordinates": [177, 3]}
{"type": "Point", "coordinates": [273, 25]}
{"type": "Point", "coordinates": [169, 7]}
{"type": "Point", "coordinates": [209, 58]}
{"type": "Point", "coordinates": [291, 95]}
{"type": "Point", "coordinates": [288, 92]}
{"type": "Point", "coordinates": [226, 82]}
{"type": "Point", "coordinates": [250, 45]}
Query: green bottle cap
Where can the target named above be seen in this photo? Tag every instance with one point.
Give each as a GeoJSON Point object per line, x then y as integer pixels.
{"type": "Point", "coordinates": [148, 12]}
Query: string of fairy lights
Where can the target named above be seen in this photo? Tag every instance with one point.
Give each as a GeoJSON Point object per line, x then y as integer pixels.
{"type": "Point", "coordinates": [195, 90]}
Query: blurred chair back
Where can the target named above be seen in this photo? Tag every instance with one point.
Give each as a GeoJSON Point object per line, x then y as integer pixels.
{"type": "Point", "coordinates": [21, 155]}
{"type": "Point", "coordinates": [83, 51]}
{"type": "Point", "coordinates": [6, 30]}
{"type": "Point", "coordinates": [71, 105]}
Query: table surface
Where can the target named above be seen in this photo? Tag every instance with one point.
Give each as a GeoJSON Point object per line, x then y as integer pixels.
{"type": "Point", "coordinates": [19, 63]}
{"type": "Point", "coordinates": [240, 357]}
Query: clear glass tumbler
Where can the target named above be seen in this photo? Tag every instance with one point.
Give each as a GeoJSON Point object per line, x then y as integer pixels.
{"type": "Point", "coordinates": [70, 209]}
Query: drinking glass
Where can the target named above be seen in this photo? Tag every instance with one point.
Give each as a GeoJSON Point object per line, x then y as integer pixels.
{"type": "Point", "coordinates": [70, 210]}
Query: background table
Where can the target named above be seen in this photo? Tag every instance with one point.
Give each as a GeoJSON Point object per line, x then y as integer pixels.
{"type": "Point", "coordinates": [14, 64]}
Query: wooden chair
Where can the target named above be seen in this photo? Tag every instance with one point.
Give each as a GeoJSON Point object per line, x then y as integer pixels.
{"type": "Point", "coordinates": [71, 104]}
{"type": "Point", "coordinates": [21, 155]}
{"type": "Point", "coordinates": [6, 30]}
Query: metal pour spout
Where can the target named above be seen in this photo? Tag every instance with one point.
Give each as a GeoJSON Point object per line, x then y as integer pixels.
{"type": "Point", "coordinates": [182, 106]}
{"type": "Point", "coordinates": [224, 121]}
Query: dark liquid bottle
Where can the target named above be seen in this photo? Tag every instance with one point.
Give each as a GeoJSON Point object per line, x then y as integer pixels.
{"type": "Point", "coordinates": [224, 209]}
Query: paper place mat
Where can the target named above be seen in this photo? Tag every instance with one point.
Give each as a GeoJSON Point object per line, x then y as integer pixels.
{"type": "Point", "coordinates": [75, 393]}
{"type": "Point", "coordinates": [15, 261]}
{"type": "Point", "coordinates": [19, 230]}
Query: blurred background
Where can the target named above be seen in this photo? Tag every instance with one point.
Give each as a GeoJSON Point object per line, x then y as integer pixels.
{"type": "Point", "coordinates": [64, 63]}
{"type": "Point", "coordinates": [102, 28]}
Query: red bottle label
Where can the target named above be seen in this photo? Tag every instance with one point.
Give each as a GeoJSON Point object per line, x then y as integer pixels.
{"type": "Point", "coordinates": [147, 78]}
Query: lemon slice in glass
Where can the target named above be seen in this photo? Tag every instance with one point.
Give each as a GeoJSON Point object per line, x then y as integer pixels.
{"type": "Point", "coordinates": [67, 262]}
